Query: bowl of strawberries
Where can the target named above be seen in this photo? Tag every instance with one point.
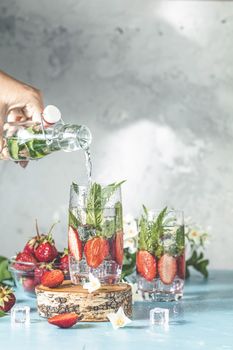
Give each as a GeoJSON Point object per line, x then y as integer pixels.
{"type": "Point", "coordinates": [38, 256]}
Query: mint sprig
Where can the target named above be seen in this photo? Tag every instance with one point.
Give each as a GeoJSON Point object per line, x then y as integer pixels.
{"type": "Point", "coordinates": [151, 232]}
{"type": "Point", "coordinates": [97, 202]}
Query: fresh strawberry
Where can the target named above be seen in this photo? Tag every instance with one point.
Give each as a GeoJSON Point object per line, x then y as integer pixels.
{"type": "Point", "coordinates": [28, 284]}
{"type": "Point", "coordinates": [181, 266]}
{"type": "Point", "coordinates": [119, 250]}
{"type": "Point", "coordinates": [30, 246]}
{"type": "Point", "coordinates": [52, 278]}
{"type": "Point", "coordinates": [64, 261]}
{"type": "Point", "coordinates": [167, 268]}
{"type": "Point", "coordinates": [74, 243]}
{"type": "Point", "coordinates": [40, 270]}
{"type": "Point", "coordinates": [65, 320]}
{"type": "Point", "coordinates": [96, 250]}
{"type": "Point", "coordinates": [46, 251]}
{"type": "Point", "coordinates": [24, 258]}
{"type": "Point", "coordinates": [7, 298]}
{"type": "Point", "coordinates": [146, 265]}
{"type": "Point", "coordinates": [33, 243]}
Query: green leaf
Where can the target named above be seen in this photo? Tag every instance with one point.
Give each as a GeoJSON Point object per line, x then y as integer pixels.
{"type": "Point", "coordinates": [73, 221]}
{"type": "Point", "coordinates": [94, 206]}
{"type": "Point", "coordinates": [4, 272]}
{"type": "Point", "coordinates": [198, 263]}
{"type": "Point", "coordinates": [108, 191]}
{"type": "Point", "coordinates": [129, 263]}
{"type": "Point", "coordinates": [2, 313]}
{"type": "Point", "coordinates": [180, 240]}
{"type": "Point", "coordinates": [98, 198]}
{"type": "Point", "coordinates": [119, 216]}
{"type": "Point", "coordinates": [75, 187]}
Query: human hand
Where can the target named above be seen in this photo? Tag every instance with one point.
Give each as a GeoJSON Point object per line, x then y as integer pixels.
{"type": "Point", "coordinates": [18, 102]}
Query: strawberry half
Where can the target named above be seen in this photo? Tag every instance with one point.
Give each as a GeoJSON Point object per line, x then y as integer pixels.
{"type": "Point", "coordinates": [7, 298]}
{"type": "Point", "coordinates": [96, 250]}
{"type": "Point", "coordinates": [146, 265]}
{"type": "Point", "coordinates": [24, 258]}
{"type": "Point", "coordinates": [52, 278]}
{"type": "Point", "coordinates": [167, 268]}
{"type": "Point", "coordinates": [74, 243]}
{"type": "Point", "coordinates": [65, 320]}
{"type": "Point", "coordinates": [119, 250]}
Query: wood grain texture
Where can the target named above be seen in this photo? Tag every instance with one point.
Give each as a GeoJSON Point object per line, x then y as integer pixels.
{"type": "Point", "coordinates": [92, 306]}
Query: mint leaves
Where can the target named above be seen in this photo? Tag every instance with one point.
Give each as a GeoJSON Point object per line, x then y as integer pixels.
{"type": "Point", "coordinates": [101, 214]}
{"type": "Point", "coordinates": [156, 236]}
{"type": "Point", "coordinates": [150, 232]}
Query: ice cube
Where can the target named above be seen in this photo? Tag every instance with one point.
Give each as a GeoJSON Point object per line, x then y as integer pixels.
{"type": "Point", "coordinates": [159, 316]}
{"type": "Point", "coordinates": [20, 314]}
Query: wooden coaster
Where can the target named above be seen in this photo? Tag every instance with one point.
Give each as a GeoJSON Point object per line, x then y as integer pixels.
{"type": "Point", "coordinates": [92, 306]}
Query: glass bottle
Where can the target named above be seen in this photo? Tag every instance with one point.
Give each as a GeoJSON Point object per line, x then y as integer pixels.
{"type": "Point", "coordinates": [29, 141]}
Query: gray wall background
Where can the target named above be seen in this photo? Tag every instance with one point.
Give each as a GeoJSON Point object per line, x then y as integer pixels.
{"type": "Point", "coordinates": [153, 81]}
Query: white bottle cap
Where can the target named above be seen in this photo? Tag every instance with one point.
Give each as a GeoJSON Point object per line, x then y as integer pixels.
{"type": "Point", "coordinates": [51, 114]}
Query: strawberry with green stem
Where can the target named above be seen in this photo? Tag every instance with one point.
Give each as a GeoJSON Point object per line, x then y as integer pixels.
{"type": "Point", "coordinates": [46, 250]}
{"type": "Point", "coordinates": [33, 243]}
{"type": "Point", "coordinates": [7, 299]}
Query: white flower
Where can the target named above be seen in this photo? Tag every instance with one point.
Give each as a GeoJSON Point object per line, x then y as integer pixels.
{"type": "Point", "coordinates": [130, 233]}
{"type": "Point", "coordinates": [118, 319]}
{"type": "Point", "coordinates": [93, 283]}
{"type": "Point", "coordinates": [130, 227]}
{"type": "Point", "coordinates": [131, 244]}
{"type": "Point", "coordinates": [195, 236]}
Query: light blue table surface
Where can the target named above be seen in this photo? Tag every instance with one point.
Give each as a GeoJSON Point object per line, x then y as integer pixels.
{"type": "Point", "coordinates": [202, 320]}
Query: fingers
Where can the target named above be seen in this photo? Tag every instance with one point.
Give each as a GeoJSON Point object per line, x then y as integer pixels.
{"type": "Point", "coordinates": [34, 108]}
{"type": "Point", "coordinates": [16, 115]}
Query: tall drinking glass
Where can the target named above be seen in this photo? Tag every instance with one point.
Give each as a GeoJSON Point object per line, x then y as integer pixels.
{"type": "Point", "coordinates": [161, 255]}
{"type": "Point", "coordinates": [95, 233]}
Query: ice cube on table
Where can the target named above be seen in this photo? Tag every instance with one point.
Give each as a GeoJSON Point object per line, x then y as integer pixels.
{"type": "Point", "coordinates": [159, 316]}
{"type": "Point", "coordinates": [20, 314]}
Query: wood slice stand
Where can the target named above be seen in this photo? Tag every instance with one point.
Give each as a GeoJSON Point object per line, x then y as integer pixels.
{"type": "Point", "coordinates": [92, 306]}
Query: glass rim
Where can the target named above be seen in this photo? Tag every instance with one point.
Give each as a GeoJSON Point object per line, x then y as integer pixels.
{"type": "Point", "coordinates": [102, 184]}
{"type": "Point", "coordinates": [85, 208]}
